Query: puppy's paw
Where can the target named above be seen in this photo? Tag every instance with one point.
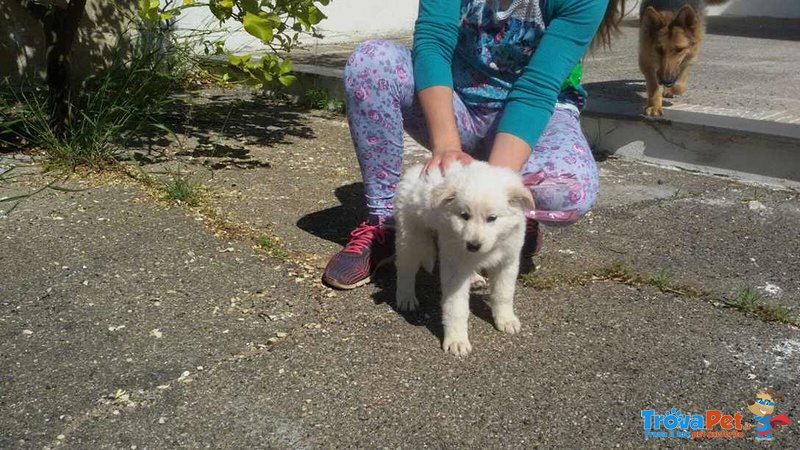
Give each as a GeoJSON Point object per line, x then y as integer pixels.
{"type": "Point", "coordinates": [457, 346]}
{"type": "Point", "coordinates": [478, 282]}
{"type": "Point", "coordinates": [654, 111]}
{"type": "Point", "coordinates": [508, 323]}
{"type": "Point", "coordinates": [407, 302]}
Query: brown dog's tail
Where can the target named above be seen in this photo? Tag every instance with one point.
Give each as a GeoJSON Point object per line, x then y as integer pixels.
{"type": "Point", "coordinates": [715, 2]}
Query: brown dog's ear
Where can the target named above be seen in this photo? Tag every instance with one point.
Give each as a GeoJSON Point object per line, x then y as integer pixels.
{"type": "Point", "coordinates": [442, 194]}
{"type": "Point", "coordinates": [686, 18]}
{"type": "Point", "coordinates": [653, 19]}
{"type": "Point", "coordinates": [521, 197]}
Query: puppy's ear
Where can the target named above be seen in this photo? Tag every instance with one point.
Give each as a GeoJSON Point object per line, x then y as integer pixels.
{"type": "Point", "coordinates": [653, 19]}
{"type": "Point", "coordinates": [686, 18]}
{"type": "Point", "coordinates": [442, 195]}
{"type": "Point", "coordinates": [521, 197]}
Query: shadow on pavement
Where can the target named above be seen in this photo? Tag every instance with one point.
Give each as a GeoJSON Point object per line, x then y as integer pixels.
{"type": "Point", "coordinates": [630, 91]}
{"type": "Point", "coordinates": [626, 90]}
{"type": "Point", "coordinates": [429, 313]}
{"type": "Point", "coordinates": [335, 224]}
{"type": "Point", "coordinates": [224, 128]}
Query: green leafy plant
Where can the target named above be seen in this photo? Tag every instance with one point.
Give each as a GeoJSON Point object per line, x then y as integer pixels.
{"type": "Point", "coordinates": [321, 99]}
{"type": "Point", "coordinates": [78, 124]}
{"type": "Point", "coordinates": [128, 96]}
{"type": "Point", "coordinates": [278, 24]}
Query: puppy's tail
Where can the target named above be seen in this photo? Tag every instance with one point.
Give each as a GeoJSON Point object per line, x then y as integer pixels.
{"type": "Point", "coordinates": [715, 2]}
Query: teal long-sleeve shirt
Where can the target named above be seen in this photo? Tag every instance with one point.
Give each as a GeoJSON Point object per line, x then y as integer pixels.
{"type": "Point", "coordinates": [518, 60]}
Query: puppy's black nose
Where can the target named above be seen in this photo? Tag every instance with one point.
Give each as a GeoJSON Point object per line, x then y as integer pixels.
{"type": "Point", "coordinates": [668, 83]}
{"type": "Point", "coordinates": [473, 246]}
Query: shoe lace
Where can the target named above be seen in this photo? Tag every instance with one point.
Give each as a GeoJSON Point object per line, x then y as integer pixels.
{"type": "Point", "coordinates": [363, 236]}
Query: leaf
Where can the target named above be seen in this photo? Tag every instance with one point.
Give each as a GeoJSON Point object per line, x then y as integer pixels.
{"type": "Point", "coordinates": [148, 9]}
{"type": "Point", "coordinates": [63, 189]}
{"type": "Point", "coordinates": [259, 26]}
{"type": "Point", "coordinates": [287, 80]}
{"type": "Point", "coordinates": [239, 60]}
{"type": "Point", "coordinates": [285, 67]}
{"type": "Point", "coordinates": [16, 197]}
{"type": "Point", "coordinates": [252, 6]}
{"type": "Point", "coordinates": [219, 47]}
{"type": "Point", "coordinates": [12, 208]}
{"type": "Point", "coordinates": [222, 9]}
{"type": "Point", "coordinates": [188, 2]}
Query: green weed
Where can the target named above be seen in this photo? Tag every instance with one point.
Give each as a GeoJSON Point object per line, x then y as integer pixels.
{"type": "Point", "coordinates": [778, 313]}
{"type": "Point", "coordinates": [183, 189]}
{"type": "Point", "coordinates": [662, 280]}
{"type": "Point", "coordinates": [316, 98]}
{"type": "Point", "coordinates": [268, 244]}
{"type": "Point", "coordinates": [747, 299]}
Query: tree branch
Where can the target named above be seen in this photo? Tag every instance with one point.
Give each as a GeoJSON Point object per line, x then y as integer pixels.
{"type": "Point", "coordinates": [36, 9]}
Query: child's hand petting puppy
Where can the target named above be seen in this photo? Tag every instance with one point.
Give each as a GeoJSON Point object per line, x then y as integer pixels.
{"type": "Point", "coordinates": [441, 160]}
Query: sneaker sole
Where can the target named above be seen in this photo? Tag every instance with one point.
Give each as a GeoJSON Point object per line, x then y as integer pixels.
{"type": "Point", "coordinates": [347, 287]}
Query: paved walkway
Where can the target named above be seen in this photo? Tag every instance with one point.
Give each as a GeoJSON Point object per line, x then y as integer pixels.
{"type": "Point", "coordinates": [129, 323]}
{"type": "Point", "coordinates": [748, 69]}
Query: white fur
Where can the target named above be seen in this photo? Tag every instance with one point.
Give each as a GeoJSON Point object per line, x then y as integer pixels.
{"type": "Point", "coordinates": [429, 209]}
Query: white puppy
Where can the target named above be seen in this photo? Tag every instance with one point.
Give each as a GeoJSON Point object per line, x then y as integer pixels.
{"type": "Point", "coordinates": [475, 215]}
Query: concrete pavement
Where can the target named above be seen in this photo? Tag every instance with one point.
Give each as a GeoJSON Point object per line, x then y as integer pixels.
{"type": "Point", "coordinates": [130, 323]}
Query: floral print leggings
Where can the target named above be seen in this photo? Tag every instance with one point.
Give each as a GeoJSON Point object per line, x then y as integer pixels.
{"type": "Point", "coordinates": [381, 103]}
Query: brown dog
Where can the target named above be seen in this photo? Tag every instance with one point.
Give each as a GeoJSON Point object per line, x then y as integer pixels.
{"type": "Point", "coordinates": [670, 34]}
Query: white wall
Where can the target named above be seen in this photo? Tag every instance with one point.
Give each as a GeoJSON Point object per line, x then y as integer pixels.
{"type": "Point", "coordinates": [348, 21]}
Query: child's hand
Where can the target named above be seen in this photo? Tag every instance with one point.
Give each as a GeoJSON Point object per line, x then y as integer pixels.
{"type": "Point", "coordinates": [442, 159]}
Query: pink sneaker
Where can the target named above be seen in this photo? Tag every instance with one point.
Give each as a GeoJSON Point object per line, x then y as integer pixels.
{"type": "Point", "coordinates": [370, 247]}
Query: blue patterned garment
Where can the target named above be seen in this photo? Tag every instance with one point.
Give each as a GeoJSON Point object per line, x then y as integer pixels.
{"type": "Point", "coordinates": [495, 45]}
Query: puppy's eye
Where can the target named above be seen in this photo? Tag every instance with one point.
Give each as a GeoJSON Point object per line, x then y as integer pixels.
{"type": "Point", "coordinates": [491, 218]}
{"type": "Point", "coordinates": [681, 50]}
{"type": "Point", "coordinates": [465, 215]}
